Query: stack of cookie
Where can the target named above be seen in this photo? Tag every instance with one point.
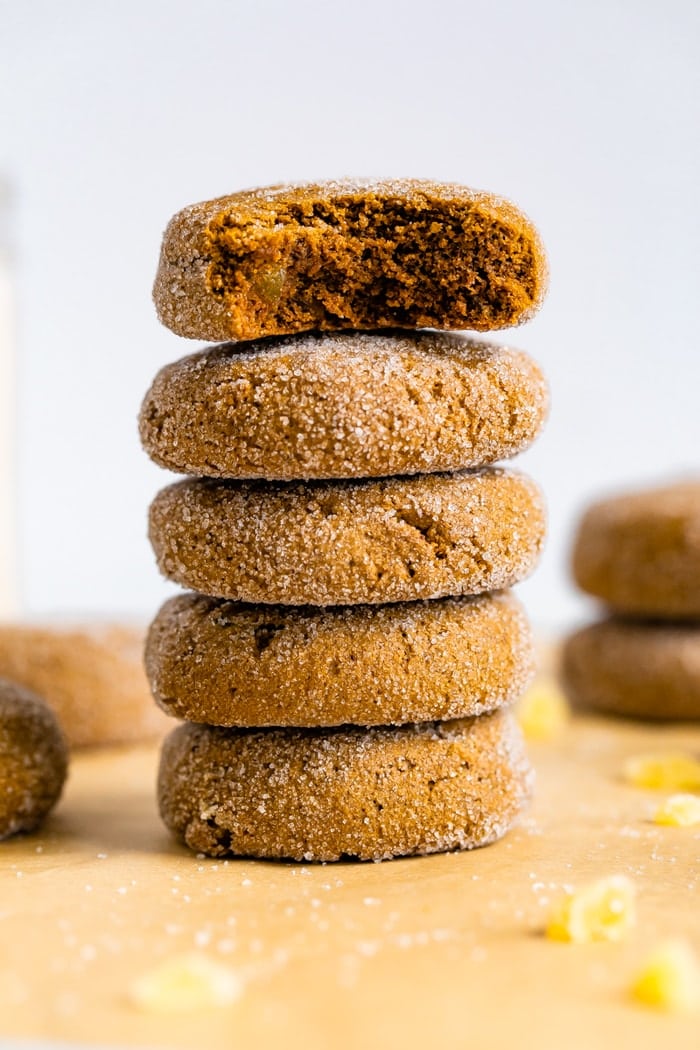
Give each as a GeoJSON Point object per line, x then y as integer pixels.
{"type": "Point", "coordinates": [639, 553]}
{"type": "Point", "coordinates": [346, 661]}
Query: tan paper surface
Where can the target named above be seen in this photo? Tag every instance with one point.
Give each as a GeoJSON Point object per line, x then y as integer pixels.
{"type": "Point", "coordinates": [444, 950]}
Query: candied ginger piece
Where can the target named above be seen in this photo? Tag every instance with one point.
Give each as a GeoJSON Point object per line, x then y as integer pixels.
{"type": "Point", "coordinates": [670, 978]}
{"type": "Point", "coordinates": [543, 711]}
{"type": "Point", "coordinates": [679, 811]}
{"type": "Point", "coordinates": [185, 982]}
{"type": "Point", "coordinates": [675, 771]}
{"type": "Point", "coordinates": [601, 911]}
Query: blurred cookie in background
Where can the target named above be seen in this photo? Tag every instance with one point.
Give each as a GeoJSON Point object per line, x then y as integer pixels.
{"type": "Point", "coordinates": [642, 670]}
{"type": "Point", "coordinates": [91, 675]}
{"type": "Point", "coordinates": [639, 554]}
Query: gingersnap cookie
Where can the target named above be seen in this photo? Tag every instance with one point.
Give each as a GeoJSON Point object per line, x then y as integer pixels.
{"type": "Point", "coordinates": [640, 553]}
{"type": "Point", "coordinates": [325, 794]}
{"type": "Point", "coordinates": [349, 542]}
{"type": "Point", "coordinates": [33, 759]}
{"type": "Point", "coordinates": [641, 670]}
{"type": "Point", "coordinates": [228, 664]}
{"type": "Point", "coordinates": [343, 406]}
{"type": "Point", "coordinates": [404, 253]}
{"type": "Point", "coordinates": [92, 677]}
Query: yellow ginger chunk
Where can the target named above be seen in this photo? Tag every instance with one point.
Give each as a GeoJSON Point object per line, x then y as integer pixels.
{"type": "Point", "coordinates": [601, 911]}
{"type": "Point", "coordinates": [670, 978]}
{"type": "Point", "coordinates": [676, 771]}
{"type": "Point", "coordinates": [679, 811]}
{"type": "Point", "coordinates": [186, 982]}
{"type": "Point", "coordinates": [543, 711]}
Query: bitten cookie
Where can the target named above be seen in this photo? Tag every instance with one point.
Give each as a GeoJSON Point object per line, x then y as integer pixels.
{"type": "Point", "coordinates": [345, 406]}
{"type": "Point", "coordinates": [33, 759]}
{"type": "Point", "coordinates": [642, 670]}
{"type": "Point", "coordinates": [244, 665]}
{"type": "Point", "coordinates": [347, 543]}
{"type": "Point", "coordinates": [322, 795]}
{"type": "Point", "coordinates": [402, 253]}
{"type": "Point", "coordinates": [640, 553]}
{"type": "Point", "coordinates": [92, 677]}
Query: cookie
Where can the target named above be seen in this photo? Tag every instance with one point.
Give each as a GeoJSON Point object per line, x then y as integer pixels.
{"type": "Point", "coordinates": [33, 759]}
{"type": "Point", "coordinates": [245, 665]}
{"type": "Point", "coordinates": [361, 254]}
{"type": "Point", "coordinates": [91, 676]}
{"type": "Point", "coordinates": [347, 543]}
{"type": "Point", "coordinates": [640, 553]}
{"type": "Point", "coordinates": [642, 670]}
{"type": "Point", "coordinates": [343, 406]}
{"type": "Point", "coordinates": [325, 794]}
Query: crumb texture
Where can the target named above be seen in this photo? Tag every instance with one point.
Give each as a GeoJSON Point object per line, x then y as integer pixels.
{"type": "Point", "coordinates": [327, 794]}
{"type": "Point", "coordinates": [344, 543]}
{"type": "Point", "coordinates": [640, 553]}
{"type": "Point", "coordinates": [343, 406]}
{"type": "Point", "coordinates": [90, 675]}
{"type": "Point", "coordinates": [33, 759]}
{"type": "Point", "coordinates": [229, 664]}
{"type": "Point", "coordinates": [348, 255]}
{"type": "Point", "coordinates": [641, 670]}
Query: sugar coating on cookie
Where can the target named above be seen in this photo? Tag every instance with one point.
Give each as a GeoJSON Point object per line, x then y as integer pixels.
{"type": "Point", "coordinates": [640, 553]}
{"type": "Point", "coordinates": [351, 254]}
{"type": "Point", "coordinates": [344, 543]}
{"type": "Point", "coordinates": [229, 664]}
{"type": "Point", "coordinates": [33, 759]}
{"type": "Point", "coordinates": [325, 794]}
{"type": "Point", "coordinates": [343, 406]}
{"type": "Point", "coordinates": [641, 670]}
{"type": "Point", "coordinates": [91, 675]}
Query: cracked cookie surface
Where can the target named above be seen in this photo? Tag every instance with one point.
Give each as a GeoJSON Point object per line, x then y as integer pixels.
{"type": "Point", "coordinates": [327, 794]}
{"type": "Point", "coordinates": [358, 254]}
{"type": "Point", "coordinates": [343, 406]}
{"type": "Point", "coordinates": [349, 542]}
{"type": "Point", "coordinates": [229, 664]}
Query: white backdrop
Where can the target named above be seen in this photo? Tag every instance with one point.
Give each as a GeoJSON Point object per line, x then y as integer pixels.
{"type": "Point", "coordinates": [116, 114]}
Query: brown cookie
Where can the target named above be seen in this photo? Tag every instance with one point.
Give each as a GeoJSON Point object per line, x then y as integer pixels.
{"type": "Point", "coordinates": [325, 794]}
{"type": "Point", "coordinates": [245, 665]}
{"type": "Point", "coordinates": [640, 553]}
{"type": "Point", "coordinates": [642, 670]}
{"type": "Point", "coordinates": [347, 543]}
{"type": "Point", "coordinates": [402, 253]}
{"type": "Point", "coordinates": [33, 759]}
{"type": "Point", "coordinates": [343, 406]}
{"type": "Point", "coordinates": [92, 676]}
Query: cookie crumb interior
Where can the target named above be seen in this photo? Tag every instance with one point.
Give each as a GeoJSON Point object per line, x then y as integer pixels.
{"type": "Point", "coordinates": [372, 261]}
